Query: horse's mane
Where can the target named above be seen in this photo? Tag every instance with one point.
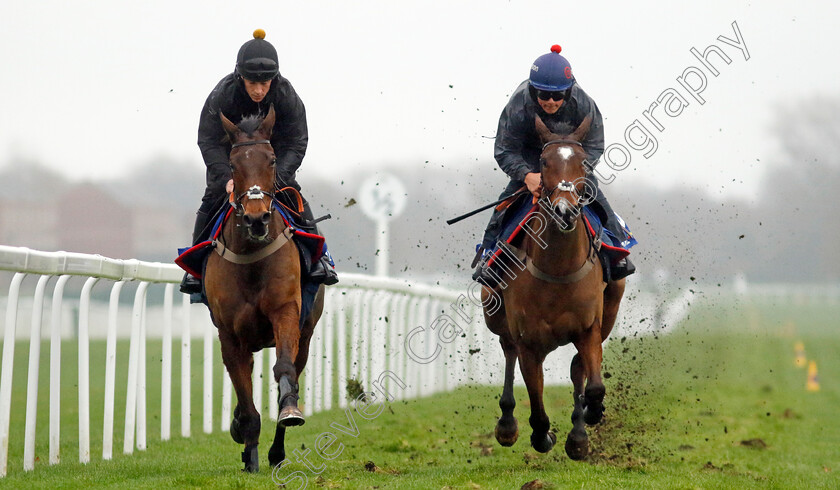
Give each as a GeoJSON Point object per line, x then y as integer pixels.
{"type": "Point", "coordinates": [561, 128]}
{"type": "Point", "coordinates": [249, 124]}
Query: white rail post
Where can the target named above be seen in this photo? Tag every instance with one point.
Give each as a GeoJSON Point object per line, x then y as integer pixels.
{"type": "Point", "coordinates": [227, 389]}
{"type": "Point", "coordinates": [141, 378]}
{"type": "Point", "coordinates": [329, 358]}
{"type": "Point", "coordinates": [396, 321]}
{"type": "Point", "coordinates": [166, 365]}
{"type": "Point", "coordinates": [412, 366]}
{"type": "Point", "coordinates": [338, 303]}
{"type": "Point", "coordinates": [208, 378]}
{"type": "Point", "coordinates": [32, 381]}
{"type": "Point", "coordinates": [273, 408]}
{"type": "Point", "coordinates": [316, 363]}
{"type": "Point", "coordinates": [257, 381]}
{"type": "Point", "coordinates": [378, 336]}
{"type": "Point", "coordinates": [369, 323]}
{"type": "Point", "coordinates": [133, 368]}
{"type": "Point", "coordinates": [356, 299]}
{"type": "Point", "coordinates": [55, 370]}
{"type": "Point", "coordinates": [110, 371]}
{"type": "Point", "coordinates": [84, 371]}
{"type": "Point", "coordinates": [185, 367]}
{"type": "Point", "coordinates": [8, 365]}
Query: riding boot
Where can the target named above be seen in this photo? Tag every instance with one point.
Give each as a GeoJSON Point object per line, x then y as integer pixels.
{"type": "Point", "coordinates": [322, 271]}
{"type": "Point", "coordinates": [624, 267]}
{"type": "Point", "coordinates": [190, 284]}
{"type": "Point", "coordinates": [621, 270]}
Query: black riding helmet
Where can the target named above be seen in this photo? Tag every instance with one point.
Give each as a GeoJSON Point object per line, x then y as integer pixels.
{"type": "Point", "coordinates": [257, 59]}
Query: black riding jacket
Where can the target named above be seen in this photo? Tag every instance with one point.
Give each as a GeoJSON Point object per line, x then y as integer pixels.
{"type": "Point", "coordinates": [289, 138]}
{"type": "Point", "coordinates": [518, 147]}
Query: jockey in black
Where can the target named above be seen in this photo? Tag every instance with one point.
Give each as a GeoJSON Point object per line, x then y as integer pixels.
{"type": "Point", "coordinates": [253, 87]}
{"type": "Point", "coordinates": [552, 93]}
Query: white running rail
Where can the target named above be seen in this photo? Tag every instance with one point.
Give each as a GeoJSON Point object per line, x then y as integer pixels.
{"type": "Point", "coordinates": [367, 323]}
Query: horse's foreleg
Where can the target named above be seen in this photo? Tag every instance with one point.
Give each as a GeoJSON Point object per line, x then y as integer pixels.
{"type": "Point", "coordinates": [286, 337]}
{"type": "Point", "coordinates": [286, 341]}
{"type": "Point", "coordinates": [612, 299]}
{"type": "Point", "coordinates": [542, 439]}
{"type": "Point", "coordinates": [507, 429]}
{"type": "Point", "coordinates": [245, 427]}
{"type": "Point", "coordinates": [589, 349]}
{"type": "Point", "coordinates": [577, 442]}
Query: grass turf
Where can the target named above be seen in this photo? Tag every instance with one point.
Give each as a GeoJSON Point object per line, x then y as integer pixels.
{"type": "Point", "coordinates": [717, 403]}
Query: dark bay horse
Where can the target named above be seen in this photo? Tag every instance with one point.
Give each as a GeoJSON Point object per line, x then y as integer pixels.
{"type": "Point", "coordinates": [254, 292]}
{"type": "Point", "coordinates": [557, 296]}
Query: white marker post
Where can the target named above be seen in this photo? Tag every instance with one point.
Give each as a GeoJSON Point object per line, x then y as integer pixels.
{"type": "Point", "coordinates": [382, 197]}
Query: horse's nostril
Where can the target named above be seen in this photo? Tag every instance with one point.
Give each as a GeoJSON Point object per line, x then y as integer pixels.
{"type": "Point", "coordinates": [266, 217]}
{"type": "Point", "coordinates": [248, 220]}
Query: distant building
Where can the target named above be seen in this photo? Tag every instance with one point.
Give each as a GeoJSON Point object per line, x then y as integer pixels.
{"type": "Point", "coordinates": [91, 221]}
{"type": "Point", "coordinates": [159, 231]}
{"type": "Point", "coordinates": [30, 224]}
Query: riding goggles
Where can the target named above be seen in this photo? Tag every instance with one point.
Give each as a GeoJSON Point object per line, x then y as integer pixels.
{"type": "Point", "coordinates": [557, 95]}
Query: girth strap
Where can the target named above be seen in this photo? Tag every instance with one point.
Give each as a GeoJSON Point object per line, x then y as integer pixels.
{"type": "Point", "coordinates": [544, 276]}
{"type": "Point", "coordinates": [260, 254]}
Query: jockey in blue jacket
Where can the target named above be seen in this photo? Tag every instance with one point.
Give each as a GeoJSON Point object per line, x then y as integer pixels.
{"type": "Point", "coordinates": [253, 87]}
{"type": "Point", "coordinates": [552, 93]}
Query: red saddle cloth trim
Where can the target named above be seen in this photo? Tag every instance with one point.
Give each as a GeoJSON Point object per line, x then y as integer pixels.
{"type": "Point", "coordinates": [180, 262]}
{"type": "Point", "coordinates": [616, 253]}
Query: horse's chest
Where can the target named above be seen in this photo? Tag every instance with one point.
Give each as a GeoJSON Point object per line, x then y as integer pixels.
{"type": "Point", "coordinates": [550, 316]}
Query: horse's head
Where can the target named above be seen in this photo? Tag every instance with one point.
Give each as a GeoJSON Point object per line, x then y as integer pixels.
{"type": "Point", "coordinates": [563, 169]}
{"type": "Point", "coordinates": [252, 164]}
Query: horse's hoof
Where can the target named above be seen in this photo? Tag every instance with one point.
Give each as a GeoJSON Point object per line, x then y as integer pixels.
{"type": "Point", "coordinates": [544, 443]}
{"type": "Point", "coordinates": [290, 417]}
{"type": "Point", "coordinates": [235, 433]}
{"type": "Point", "coordinates": [507, 433]}
{"type": "Point", "coordinates": [577, 447]}
{"type": "Point", "coordinates": [593, 410]}
{"type": "Point", "coordinates": [250, 456]}
{"type": "Point", "coordinates": [593, 415]}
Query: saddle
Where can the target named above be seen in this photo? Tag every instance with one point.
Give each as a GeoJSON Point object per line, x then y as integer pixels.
{"type": "Point", "coordinates": [515, 213]}
{"type": "Point", "coordinates": [311, 247]}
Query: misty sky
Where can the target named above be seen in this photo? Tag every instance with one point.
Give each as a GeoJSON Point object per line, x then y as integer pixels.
{"type": "Point", "coordinates": [95, 89]}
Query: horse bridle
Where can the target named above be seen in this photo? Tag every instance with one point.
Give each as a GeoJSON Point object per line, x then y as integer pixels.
{"type": "Point", "coordinates": [254, 192]}
{"type": "Point", "coordinates": [563, 185]}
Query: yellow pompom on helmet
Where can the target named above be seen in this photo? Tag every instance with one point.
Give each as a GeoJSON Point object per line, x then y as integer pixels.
{"type": "Point", "coordinates": [257, 59]}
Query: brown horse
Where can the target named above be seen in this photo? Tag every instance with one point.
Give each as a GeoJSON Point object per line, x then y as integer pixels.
{"type": "Point", "coordinates": [254, 292]}
{"type": "Point", "coordinates": [558, 296]}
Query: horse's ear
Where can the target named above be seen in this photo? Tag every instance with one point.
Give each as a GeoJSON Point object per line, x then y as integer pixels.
{"type": "Point", "coordinates": [267, 126]}
{"type": "Point", "coordinates": [581, 130]}
{"type": "Point", "coordinates": [542, 130]}
{"type": "Point", "coordinates": [230, 128]}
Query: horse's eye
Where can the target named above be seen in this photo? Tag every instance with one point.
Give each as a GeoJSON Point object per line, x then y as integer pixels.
{"type": "Point", "coordinates": [232, 168]}
{"type": "Point", "coordinates": [273, 162]}
{"type": "Point", "coordinates": [542, 162]}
